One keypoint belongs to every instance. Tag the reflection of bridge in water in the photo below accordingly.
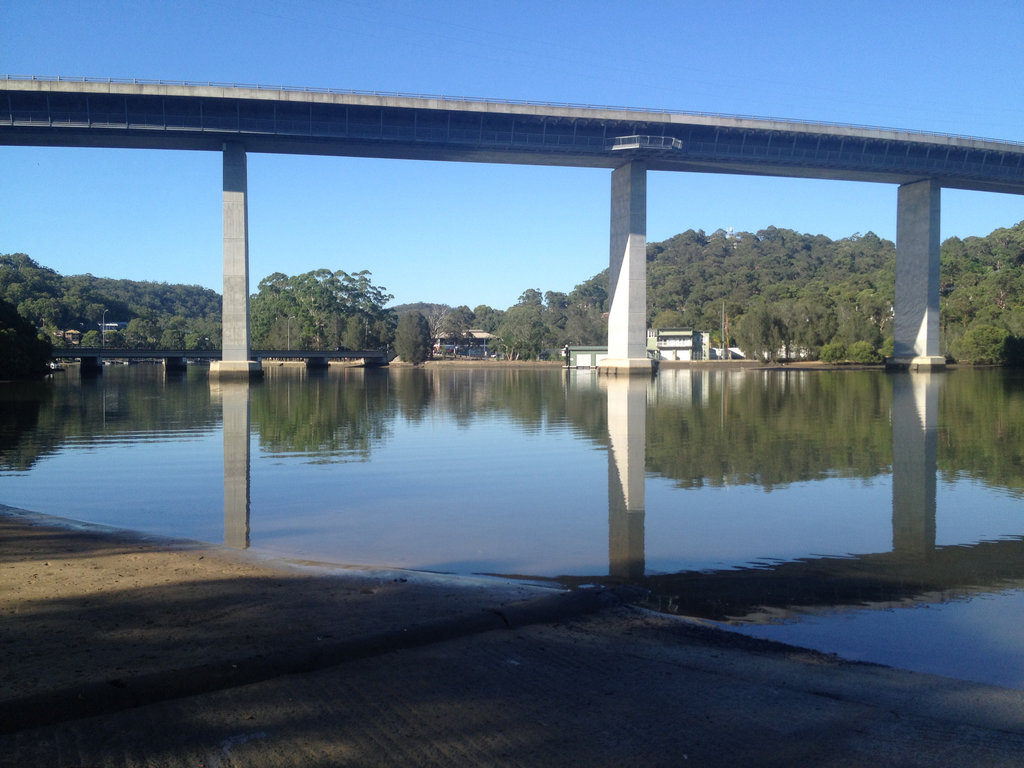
(914, 568)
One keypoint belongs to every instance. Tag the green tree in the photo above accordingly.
(862, 352)
(355, 334)
(455, 323)
(833, 352)
(983, 345)
(531, 296)
(23, 354)
(762, 333)
(172, 339)
(669, 318)
(487, 318)
(523, 332)
(321, 309)
(141, 333)
(412, 338)
(585, 325)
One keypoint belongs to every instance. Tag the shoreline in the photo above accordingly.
(127, 649)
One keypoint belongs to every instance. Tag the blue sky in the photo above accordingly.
(479, 234)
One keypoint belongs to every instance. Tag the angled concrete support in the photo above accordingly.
(917, 278)
(235, 315)
(627, 273)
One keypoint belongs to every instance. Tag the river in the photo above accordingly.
(874, 515)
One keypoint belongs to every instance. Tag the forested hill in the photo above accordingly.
(189, 315)
(785, 290)
(782, 292)
(692, 270)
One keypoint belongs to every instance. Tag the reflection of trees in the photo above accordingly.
(125, 402)
(323, 415)
(704, 426)
(20, 404)
(770, 428)
(981, 427)
(776, 427)
(532, 398)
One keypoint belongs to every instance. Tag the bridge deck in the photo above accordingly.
(60, 112)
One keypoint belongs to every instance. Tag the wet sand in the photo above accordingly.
(119, 649)
(87, 605)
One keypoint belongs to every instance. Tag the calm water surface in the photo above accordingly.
(872, 515)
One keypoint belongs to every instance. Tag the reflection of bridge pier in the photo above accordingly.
(627, 454)
(915, 412)
(234, 394)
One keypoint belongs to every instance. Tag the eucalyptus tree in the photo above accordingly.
(455, 323)
(523, 330)
(321, 309)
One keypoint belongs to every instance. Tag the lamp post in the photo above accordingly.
(290, 318)
(103, 329)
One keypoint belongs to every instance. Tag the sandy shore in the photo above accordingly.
(123, 650)
(85, 605)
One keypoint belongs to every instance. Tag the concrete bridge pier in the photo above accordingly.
(627, 274)
(235, 360)
(917, 278)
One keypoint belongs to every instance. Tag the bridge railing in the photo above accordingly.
(645, 142)
(488, 100)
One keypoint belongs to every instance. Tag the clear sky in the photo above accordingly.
(478, 234)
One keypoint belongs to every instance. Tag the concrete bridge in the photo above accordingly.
(92, 358)
(239, 119)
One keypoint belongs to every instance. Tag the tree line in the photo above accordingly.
(70, 309)
(775, 293)
(788, 294)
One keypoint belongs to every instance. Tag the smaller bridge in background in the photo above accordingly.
(92, 358)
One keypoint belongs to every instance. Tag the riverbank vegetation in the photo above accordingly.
(70, 309)
(775, 293)
(24, 354)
